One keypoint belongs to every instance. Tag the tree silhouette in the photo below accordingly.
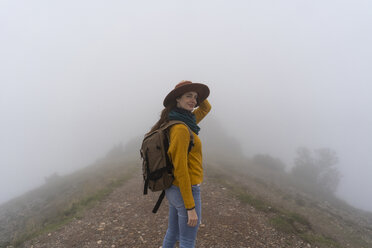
(317, 168)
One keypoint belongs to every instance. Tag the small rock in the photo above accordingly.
(99, 242)
(49, 234)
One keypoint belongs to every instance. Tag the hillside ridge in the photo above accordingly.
(103, 206)
(124, 219)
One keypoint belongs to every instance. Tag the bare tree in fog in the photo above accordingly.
(317, 169)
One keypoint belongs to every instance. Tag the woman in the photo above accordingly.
(184, 195)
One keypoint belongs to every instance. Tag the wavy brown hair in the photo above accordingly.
(163, 116)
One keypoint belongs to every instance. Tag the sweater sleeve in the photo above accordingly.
(202, 110)
(178, 152)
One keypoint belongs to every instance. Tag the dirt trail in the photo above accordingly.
(124, 219)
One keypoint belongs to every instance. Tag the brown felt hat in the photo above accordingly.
(187, 86)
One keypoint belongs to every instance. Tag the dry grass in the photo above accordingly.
(293, 211)
(59, 201)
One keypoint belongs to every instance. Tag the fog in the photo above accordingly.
(78, 77)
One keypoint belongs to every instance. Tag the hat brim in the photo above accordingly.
(201, 89)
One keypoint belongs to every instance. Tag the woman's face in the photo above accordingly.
(187, 101)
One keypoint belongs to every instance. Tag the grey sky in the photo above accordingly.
(78, 77)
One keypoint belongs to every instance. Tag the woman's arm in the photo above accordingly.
(178, 152)
(202, 110)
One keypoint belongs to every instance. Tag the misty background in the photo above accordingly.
(79, 77)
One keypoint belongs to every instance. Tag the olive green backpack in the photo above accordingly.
(157, 168)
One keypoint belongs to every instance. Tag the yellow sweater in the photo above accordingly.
(188, 169)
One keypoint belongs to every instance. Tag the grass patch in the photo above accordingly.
(319, 233)
(73, 209)
(282, 220)
(242, 195)
(360, 242)
(47, 228)
(290, 223)
(320, 240)
(299, 219)
(253, 201)
(282, 224)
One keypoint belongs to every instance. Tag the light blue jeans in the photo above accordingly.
(177, 222)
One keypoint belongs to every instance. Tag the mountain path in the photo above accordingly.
(124, 219)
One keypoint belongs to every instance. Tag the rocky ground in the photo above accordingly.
(124, 219)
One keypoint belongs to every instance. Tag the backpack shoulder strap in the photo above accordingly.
(168, 124)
